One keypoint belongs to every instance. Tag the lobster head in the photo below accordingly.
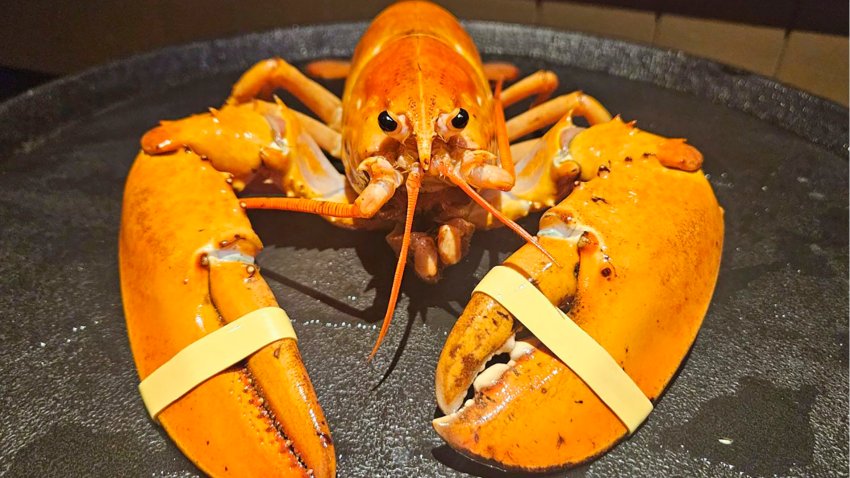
(413, 110)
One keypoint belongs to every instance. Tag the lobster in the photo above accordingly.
(629, 246)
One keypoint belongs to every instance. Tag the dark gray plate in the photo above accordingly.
(765, 388)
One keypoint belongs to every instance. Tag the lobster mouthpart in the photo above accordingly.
(638, 246)
(186, 271)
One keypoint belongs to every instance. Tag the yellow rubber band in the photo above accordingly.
(211, 354)
(572, 345)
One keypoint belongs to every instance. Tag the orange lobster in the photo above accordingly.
(630, 247)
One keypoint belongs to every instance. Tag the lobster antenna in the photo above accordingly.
(505, 158)
(414, 180)
(472, 193)
(310, 206)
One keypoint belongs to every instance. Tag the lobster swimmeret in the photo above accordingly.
(630, 246)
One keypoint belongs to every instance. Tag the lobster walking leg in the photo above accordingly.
(267, 75)
(542, 83)
(555, 109)
(499, 71)
(328, 69)
(327, 138)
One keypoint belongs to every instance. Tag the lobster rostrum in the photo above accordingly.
(629, 248)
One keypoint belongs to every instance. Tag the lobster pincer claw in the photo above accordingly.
(638, 244)
(185, 272)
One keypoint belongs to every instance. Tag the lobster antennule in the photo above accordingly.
(473, 194)
(414, 180)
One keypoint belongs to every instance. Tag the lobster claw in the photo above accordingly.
(185, 271)
(638, 246)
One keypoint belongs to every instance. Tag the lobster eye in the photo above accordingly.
(386, 122)
(461, 119)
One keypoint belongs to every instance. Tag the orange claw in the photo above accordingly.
(639, 246)
(260, 417)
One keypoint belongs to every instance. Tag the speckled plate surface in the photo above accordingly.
(763, 392)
